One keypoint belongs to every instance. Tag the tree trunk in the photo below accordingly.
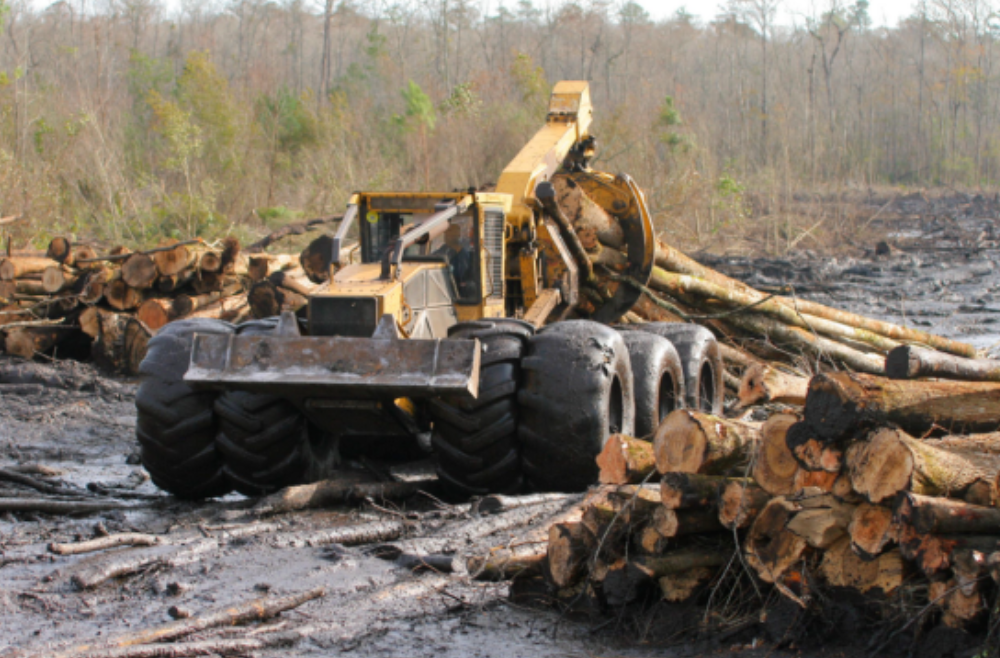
(625, 460)
(912, 362)
(840, 405)
(693, 442)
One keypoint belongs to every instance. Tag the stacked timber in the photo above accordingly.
(117, 300)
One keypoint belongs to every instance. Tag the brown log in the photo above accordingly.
(293, 301)
(498, 568)
(229, 256)
(186, 304)
(121, 343)
(970, 569)
(693, 442)
(960, 609)
(620, 581)
(121, 296)
(60, 250)
(840, 405)
(206, 282)
(18, 267)
(25, 342)
(265, 299)
(103, 543)
(690, 490)
(348, 486)
(90, 322)
(296, 228)
(842, 568)
(85, 258)
(119, 251)
(740, 502)
(172, 261)
(771, 549)
(8, 290)
(316, 259)
(155, 313)
(625, 460)
(775, 469)
(295, 281)
(257, 268)
(944, 516)
(31, 287)
(570, 546)
(226, 308)
(810, 452)
(139, 271)
(912, 362)
(90, 286)
(585, 215)
(671, 523)
(933, 554)
(872, 530)
(763, 383)
(210, 261)
(174, 282)
(891, 461)
(822, 519)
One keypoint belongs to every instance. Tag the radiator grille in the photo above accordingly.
(493, 230)
(343, 316)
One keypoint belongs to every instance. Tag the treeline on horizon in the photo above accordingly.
(127, 122)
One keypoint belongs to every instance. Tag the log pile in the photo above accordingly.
(112, 303)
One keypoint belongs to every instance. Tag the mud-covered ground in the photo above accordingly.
(938, 270)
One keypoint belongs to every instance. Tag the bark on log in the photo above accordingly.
(932, 554)
(679, 587)
(625, 460)
(226, 308)
(671, 523)
(61, 507)
(296, 281)
(570, 546)
(810, 452)
(943, 516)
(121, 343)
(26, 342)
(33, 287)
(206, 282)
(693, 442)
(872, 529)
(689, 490)
(775, 468)
(57, 278)
(507, 567)
(348, 487)
(771, 549)
(842, 568)
(229, 257)
(912, 362)
(355, 535)
(840, 405)
(17, 267)
(155, 313)
(186, 304)
(90, 286)
(175, 282)
(210, 261)
(297, 228)
(585, 215)
(265, 299)
(498, 503)
(891, 461)
(139, 271)
(960, 609)
(763, 383)
(316, 258)
(740, 502)
(685, 286)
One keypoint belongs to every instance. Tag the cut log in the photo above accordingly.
(206, 282)
(680, 587)
(30, 287)
(771, 549)
(57, 278)
(912, 362)
(822, 520)
(625, 460)
(842, 568)
(173, 261)
(690, 490)
(121, 296)
(943, 516)
(762, 383)
(139, 271)
(775, 468)
(960, 609)
(685, 522)
(891, 461)
(810, 452)
(17, 267)
(174, 282)
(226, 308)
(296, 282)
(265, 299)
(60, 250)
(932, 554)
(230, 255)
(316, 259)
(186, 304)
(90, 286)
(840, 405)
(507, 567)
(872, 530)
(347, 487)
(85, 258)
(210, 261)
(585, 215)
(25, 342)
(155, 313)
(121, 343)
(970, 569)
(570, 546)
(90, 321)
(693, 442)
(740, 501)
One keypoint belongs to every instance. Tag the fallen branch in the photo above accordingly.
(44, 487)
(101, 543)
(59, 506)
(101, 568)
(124, 256)
(297, 228)
(366, 533)
(332, 492)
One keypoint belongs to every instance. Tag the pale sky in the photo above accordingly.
(883, 12)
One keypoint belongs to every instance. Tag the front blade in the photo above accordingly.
(335, 366)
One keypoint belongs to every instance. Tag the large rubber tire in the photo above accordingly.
(475, 441)
(701, 361)
(576, 391)
(265, 441)
(657, 379)
(175, 424)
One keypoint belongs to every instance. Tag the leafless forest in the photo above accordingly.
(127, 120)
